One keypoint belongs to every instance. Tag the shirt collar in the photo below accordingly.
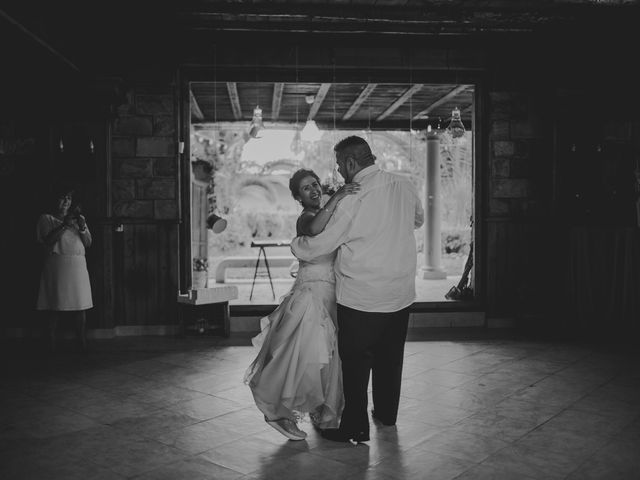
(365, 172)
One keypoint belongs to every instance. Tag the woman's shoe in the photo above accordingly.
(287, 427)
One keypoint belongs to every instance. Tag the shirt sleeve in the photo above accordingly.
(334, 234)
(43, 228)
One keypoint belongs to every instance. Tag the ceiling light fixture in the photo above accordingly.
(311, 132)
(256, 123)
(456, 127)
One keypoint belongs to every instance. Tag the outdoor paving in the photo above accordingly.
(426, 290)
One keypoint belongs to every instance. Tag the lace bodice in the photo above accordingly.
(317, 270)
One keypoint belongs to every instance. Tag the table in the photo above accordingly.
(206, 310)
(261, 245)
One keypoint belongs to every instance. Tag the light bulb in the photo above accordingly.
(311, 132)
(456, 127)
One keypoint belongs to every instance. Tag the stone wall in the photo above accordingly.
(144, 156)
(517, 205)
(145, 202)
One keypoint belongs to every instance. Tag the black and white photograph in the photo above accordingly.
(320, 239)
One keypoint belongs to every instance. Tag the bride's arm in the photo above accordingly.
(309, 224)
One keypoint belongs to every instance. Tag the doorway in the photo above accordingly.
(247, 138)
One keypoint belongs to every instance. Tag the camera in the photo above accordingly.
(76, 211)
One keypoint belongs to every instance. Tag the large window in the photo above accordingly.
(241, 173)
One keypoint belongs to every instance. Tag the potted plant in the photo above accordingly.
(200, 273)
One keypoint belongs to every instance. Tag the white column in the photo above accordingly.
(432, 242)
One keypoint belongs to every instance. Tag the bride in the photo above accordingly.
(297, 369)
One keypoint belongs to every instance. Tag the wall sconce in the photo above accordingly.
(216, 223)
(61, 145)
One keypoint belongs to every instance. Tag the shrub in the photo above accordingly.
(454, 240)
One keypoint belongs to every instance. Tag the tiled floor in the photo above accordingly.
(168, 408)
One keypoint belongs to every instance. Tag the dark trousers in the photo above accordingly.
(371, 342)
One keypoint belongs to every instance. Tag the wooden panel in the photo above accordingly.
(400, 101)
(347, 103)
(101, 275)
(355, 106)
(199, 211)
(146, 273)
(195, 108)
(442, 100)
(520, 270)
(276, 101)
(319, 98)
(234, 100)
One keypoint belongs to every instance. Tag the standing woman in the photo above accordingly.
(65, 290)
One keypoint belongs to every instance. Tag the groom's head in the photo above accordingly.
(352, 155)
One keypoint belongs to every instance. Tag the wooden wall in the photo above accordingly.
(144, 229)
(520, 267)
(145, 273)
(136, 271)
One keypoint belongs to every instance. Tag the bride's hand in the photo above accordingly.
(348, 189)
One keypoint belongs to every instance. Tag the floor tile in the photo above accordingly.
(195, 468)
(463, 445)
(205, 408)
(169, 408)
(249, 454)
(418, 463)
(619, 459)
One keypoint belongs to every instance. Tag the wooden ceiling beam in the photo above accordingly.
(320, 96)
(355, 106)
(234, 98)
(411, 91)
(444, 99)
(38, 40)
(195, 108)
(276, 101)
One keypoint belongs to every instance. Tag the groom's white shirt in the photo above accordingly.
(373, 233)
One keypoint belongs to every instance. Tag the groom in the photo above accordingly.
(375, 283)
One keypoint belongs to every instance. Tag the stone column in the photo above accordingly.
(432, 242)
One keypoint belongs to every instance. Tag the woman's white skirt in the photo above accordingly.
(64, 284)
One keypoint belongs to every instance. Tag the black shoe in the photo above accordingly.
(382, 421)
(337, 435)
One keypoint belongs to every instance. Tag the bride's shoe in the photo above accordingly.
(315, 420)
(287, 427)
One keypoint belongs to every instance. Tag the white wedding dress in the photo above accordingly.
(297, 370)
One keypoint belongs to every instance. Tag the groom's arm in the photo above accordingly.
(334, 234)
